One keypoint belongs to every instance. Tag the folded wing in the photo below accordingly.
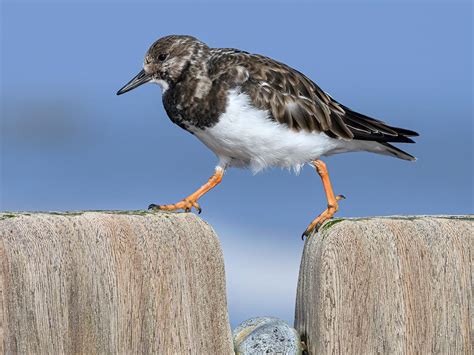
(296, 101)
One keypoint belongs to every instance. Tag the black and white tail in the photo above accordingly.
(379, 134)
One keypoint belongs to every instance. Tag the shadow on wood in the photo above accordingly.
(103, 282)
(388, 286)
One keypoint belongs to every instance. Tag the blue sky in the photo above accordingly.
(68, 143)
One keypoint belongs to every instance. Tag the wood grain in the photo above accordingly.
(102, 282)
(388, 286)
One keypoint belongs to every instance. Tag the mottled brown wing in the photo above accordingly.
(290, 97)
(295, 100)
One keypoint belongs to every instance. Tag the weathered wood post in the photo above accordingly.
(104, 282)
(388, 286)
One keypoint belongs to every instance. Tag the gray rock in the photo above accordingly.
(266, 335)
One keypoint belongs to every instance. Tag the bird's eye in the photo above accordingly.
(162, 57)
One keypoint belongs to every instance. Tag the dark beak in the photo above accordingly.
(139, 79)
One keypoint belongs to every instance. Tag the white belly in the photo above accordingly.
(247, 137)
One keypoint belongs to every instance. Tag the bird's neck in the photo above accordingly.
(192, 76)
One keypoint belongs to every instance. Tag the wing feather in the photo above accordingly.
(294, 100)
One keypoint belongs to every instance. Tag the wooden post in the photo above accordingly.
(388, 286)
(111, 282)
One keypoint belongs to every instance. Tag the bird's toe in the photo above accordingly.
(153, 207)
(186, 205)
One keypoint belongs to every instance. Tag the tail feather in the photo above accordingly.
(388, 149)
(363, 130)
(375, 135)
(369, 129)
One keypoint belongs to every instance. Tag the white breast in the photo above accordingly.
(163, 84)
(247, 137)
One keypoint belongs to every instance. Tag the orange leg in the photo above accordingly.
(332, 200)
(191, 201)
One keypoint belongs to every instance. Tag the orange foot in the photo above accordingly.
(333, 206)
(186, 205)
(191, 201)
(323, 217)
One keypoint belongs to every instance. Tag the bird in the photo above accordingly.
(255, 112)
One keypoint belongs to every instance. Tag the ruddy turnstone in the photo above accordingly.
(253, 111)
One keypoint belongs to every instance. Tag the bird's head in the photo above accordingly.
(166, 59)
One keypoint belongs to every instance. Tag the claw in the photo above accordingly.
(340, 197)
(305, 234)
(310, 230)
(195, 205)
(153, 207)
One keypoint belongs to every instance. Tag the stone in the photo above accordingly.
(266, 335)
